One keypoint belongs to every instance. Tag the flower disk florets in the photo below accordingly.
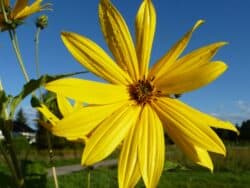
(142, 91)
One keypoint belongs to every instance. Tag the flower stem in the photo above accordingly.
(37, 51)
(51, 159)
(12, 161)
(4, 12)
(14, 42)
(10, 147)
(89, 177)
(51, 153)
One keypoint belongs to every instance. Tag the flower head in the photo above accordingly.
(19, 12)
(138, 103)
(42, 21)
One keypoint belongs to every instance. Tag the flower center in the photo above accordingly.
(142, 91)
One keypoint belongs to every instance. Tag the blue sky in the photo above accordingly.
(226, 20)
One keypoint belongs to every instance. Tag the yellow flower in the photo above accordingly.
(65, 108)
(137, 104)
(19, 12)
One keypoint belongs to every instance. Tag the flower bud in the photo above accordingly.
(42, 21)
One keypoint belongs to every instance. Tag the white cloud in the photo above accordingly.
(237, 112)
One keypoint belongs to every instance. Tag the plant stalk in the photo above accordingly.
(51, 153)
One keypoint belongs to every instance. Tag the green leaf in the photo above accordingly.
(32, 85)
(4, 99)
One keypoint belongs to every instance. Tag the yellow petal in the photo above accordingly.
(161, 68)
(109, 134)
(145, 30)
(64, 105)
(89, 91)
(181, 81)
(82, 122)
(195, 58)
(77, 105)
(195, 153)
(188, 126)
(6, 3)
(48, 114)
(19, 6)
(33, 8)
(118, 38)
(128, 167)
(91, 56)
(202, 118)
(151, 147)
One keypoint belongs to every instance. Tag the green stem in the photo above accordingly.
(14, 42)
(12, 161)
(10, 165)
(51, 153)
(51, 159)
(37, 57)
(89, 171)
(18, 174)
(37, 51)
(4, 12)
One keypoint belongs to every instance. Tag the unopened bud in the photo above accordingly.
(42, 21)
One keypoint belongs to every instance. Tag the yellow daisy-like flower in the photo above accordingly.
(65, 108)
(137, 104)
(19, 12)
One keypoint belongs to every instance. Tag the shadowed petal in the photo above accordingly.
(91, 56)
(151, 146)
(48, 114)
(64, 105)
(89, 91)
(128, 167)
(191, 127)
(109, 134)
(182, 80)
(145, 29)
(161, 68)
(19, 5)
(118, 38)
(82, 122)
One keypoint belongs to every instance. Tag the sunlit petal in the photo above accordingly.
(182, 80)
(195, 153)
(82, 122)
(91, 56)
(109, 134)
(145, 29)
(128, 167)
(33, 8)
(161, 68)
(196, 58)
(203, 119)
(151, 147)
(118, 38)
(89, 91)
(197, 132)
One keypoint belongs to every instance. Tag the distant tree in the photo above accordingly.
(20, 117)
(20, 123)
(245, 130)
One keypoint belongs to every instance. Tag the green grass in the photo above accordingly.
(232, 171)
(106, 178)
